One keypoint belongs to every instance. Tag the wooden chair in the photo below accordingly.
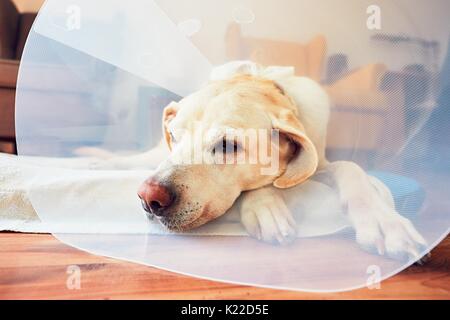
(308, 59)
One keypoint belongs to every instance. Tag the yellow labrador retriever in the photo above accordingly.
(187, 194)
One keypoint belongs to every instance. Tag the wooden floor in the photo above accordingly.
(35, 267)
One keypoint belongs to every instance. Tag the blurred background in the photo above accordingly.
(384, 82)
(388, 85)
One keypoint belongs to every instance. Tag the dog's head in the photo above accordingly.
(232, 136)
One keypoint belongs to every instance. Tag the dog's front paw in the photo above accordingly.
(92, 152)
(266, 217)
(381, 229)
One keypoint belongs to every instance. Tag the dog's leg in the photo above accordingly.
(371, 211)
(97, 159)
(266, 217)
(100, 159)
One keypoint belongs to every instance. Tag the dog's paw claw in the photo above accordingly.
(422, 261)
(268, 219)
(390, 235)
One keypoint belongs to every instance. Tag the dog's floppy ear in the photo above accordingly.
(305, 159)
(170, 112)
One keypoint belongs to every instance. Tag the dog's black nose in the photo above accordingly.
(156, 198)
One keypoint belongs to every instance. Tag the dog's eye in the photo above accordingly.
(227, 146)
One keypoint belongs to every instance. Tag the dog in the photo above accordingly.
(184, 196)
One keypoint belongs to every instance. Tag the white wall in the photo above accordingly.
(342, 22)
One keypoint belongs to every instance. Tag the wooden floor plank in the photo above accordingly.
(35, 267)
